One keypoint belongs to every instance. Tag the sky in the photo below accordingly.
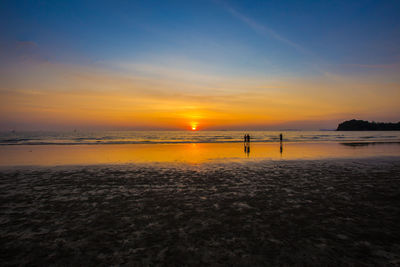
(212, 64)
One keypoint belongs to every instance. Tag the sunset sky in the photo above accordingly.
(210, 64)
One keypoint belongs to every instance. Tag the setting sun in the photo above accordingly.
(193, 128)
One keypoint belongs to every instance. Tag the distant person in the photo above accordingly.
(281, 137)
(246, 138)
(247, 144)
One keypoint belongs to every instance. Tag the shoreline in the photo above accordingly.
(195, 142)
(189, 137)
(202, 142)
(45, 155)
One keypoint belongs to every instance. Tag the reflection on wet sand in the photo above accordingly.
(358, 144)
(189, 153)
(247, 149)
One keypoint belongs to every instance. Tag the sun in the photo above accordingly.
(193, 126)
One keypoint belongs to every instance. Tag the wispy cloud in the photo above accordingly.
(262, 29)
(25, 44)
(374, 66)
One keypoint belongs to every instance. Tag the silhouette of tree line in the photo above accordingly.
(360, 125)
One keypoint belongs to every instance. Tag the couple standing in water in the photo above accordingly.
(247, 144)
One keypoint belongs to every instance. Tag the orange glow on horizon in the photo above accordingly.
(145, 102)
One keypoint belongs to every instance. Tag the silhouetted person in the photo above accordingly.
(281, 137)
(247, 144)
(246, 138)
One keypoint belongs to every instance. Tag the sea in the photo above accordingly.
(177, 137)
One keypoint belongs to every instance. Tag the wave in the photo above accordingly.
(186, 142)
(93, 138)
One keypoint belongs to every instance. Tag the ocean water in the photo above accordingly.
(171, 137)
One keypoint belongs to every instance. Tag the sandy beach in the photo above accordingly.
(332, 212)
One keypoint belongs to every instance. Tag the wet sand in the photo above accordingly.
(193, 153)
(342, 212)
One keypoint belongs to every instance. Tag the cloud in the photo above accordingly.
(262, 29)
(374, 66)
(25, 44)
(10, 52)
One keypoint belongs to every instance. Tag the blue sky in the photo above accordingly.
(261, 40)
(281, 36)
